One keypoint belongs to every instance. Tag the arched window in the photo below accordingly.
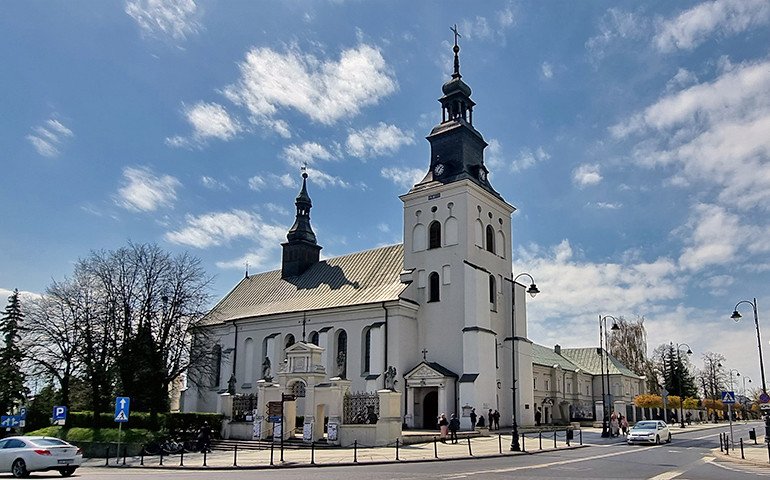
(492, 292)
(367, 349)
(342, 353)
(478, 230)
(490, 239)
(418, 238)
(313, 338)
(298, 389)
(500, 243)
(451, 228)
(288, 342)
(435, 235)
(248, 347)
(216, 359)
(433, 287)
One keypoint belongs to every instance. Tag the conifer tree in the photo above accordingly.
(12, 389)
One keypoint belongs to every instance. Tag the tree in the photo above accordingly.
(676, 373)
(648, 401)
(629, 345)
(12, 389)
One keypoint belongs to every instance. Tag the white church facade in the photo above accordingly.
(436, 311)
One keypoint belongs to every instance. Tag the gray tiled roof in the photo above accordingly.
(590, 361)
(359, 278)
(548, 357)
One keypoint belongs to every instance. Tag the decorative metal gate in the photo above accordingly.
(243, 406)
(360, 408)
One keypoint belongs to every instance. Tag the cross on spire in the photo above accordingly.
(457, 34)
(424, 353)
(303, 322)
(456, 49)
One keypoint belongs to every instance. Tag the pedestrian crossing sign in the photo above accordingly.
(728, 397)
(121, 417)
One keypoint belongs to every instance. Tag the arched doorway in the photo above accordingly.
(430, 411)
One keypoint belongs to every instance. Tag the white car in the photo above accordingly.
(22, 455)
(649, 431)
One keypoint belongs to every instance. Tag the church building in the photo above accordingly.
(435, 314)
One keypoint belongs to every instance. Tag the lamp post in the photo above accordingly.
(532, 291)
(745, 398)
(602, 343)
(730, 405)
(763, 397)
(681, 379)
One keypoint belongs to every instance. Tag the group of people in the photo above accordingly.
(451, 425)
(492, 419)
(618, 425)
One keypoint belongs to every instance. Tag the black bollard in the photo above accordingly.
(125, 452)
(396, 449)
(312, 453)
(161, 457)
(540, 437)
(107, 457)
(272, 447)
(523, 447)
(205, 452)
(581, 436)
(742, 457)
(500, 442)
(141, 457)
(235, 455)
(566, 434)
(554, 439)
(435, 448)
(727, 444)
(470, 451)
(355, 451)
(181, 458)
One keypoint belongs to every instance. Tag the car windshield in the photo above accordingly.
(645, 426)
(49, 442)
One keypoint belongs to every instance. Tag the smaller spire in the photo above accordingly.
(456, 49)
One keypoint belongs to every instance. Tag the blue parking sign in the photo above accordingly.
(23, 413)
(59, 413)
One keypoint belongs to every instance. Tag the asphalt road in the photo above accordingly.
(689, 456)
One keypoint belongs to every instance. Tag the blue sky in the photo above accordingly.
(633, 138)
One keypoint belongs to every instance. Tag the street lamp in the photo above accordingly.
(681, 379)
(532, 291)
(763, 397)
(745, 398)
(602, 343)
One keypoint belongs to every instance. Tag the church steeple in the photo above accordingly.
(301, 251)
(456, 147)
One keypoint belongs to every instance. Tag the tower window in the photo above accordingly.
(490, 239)
(368, 350)
(492, 293)
(434, 234)
(433, 287)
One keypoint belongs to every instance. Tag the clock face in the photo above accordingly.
(439, 169)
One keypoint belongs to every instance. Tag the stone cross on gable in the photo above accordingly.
(424, 353)
(303, 322)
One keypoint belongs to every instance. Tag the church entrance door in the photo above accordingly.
(430, 411)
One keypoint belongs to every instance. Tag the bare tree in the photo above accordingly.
(629, 345)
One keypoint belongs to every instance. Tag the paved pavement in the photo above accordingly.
(497, 444)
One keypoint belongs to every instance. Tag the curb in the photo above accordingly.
(735, 458)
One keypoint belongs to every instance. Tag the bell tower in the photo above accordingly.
(457, 254)
(301, 250)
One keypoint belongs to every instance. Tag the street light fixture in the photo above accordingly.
(532, 291)
(681, 379)
(602, 343)
(763, 397)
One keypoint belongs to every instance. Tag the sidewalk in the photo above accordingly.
(477, 447)
(754, 454)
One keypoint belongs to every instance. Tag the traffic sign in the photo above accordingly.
(122, 409)
(59, 413)
(764, 406)
(11, 421)
(764, 397)
(5, 421)
(728, 397)
(23, 413)
(274, 418)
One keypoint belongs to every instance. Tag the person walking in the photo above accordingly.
(614, 425)
(496, 418)
(538, 416)
(204, 438)
(443, 425)
(491, 420)
(454, 426)
(624, 425)
(473, 418)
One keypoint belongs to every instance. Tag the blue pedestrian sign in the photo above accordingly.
(122, 409)
(59, 413)
(728, 398)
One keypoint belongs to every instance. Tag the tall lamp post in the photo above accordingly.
(602, 343)
(745, 398)
(763, 397)
(532, 291)
(681, 379)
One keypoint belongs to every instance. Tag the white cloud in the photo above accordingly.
(724, 17)
(547, 70)
(213, 184)
(586, 175)
(495, 27)
(48, 137)
(716, 132)
(218, 228)
(683, 78)
(275, 208)
(305, 154)
(377, 141)
(528, 158)
(614, 26)
(208, 120)
(609, 206)
(143, 191)
(403, 177)
(257, 183)
(323, 90)
(323, 179)
(177, 18)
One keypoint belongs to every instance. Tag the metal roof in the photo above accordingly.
(359, 278)
(548, 357)
(590, 361)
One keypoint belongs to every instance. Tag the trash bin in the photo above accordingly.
(752, 434)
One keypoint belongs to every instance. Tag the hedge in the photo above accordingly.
(175, 422)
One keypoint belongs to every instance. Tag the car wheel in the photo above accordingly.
(66, 472)
(19, 469)
(657, 439)
(669, 438)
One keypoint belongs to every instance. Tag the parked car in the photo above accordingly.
(22, 455)
(649, 431)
